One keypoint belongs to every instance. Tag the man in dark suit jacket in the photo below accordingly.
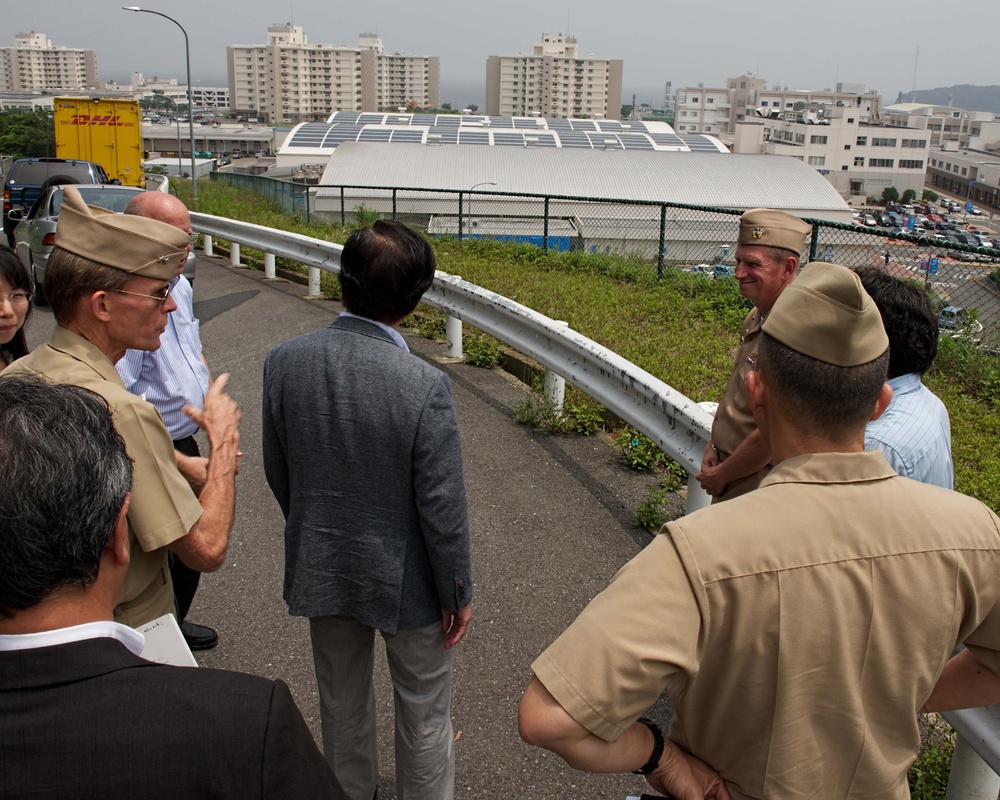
(83, 716)
(362, 452)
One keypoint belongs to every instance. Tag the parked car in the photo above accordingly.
(26, 177)
(975, 212)
(956, 317)
(869, 220)
(35, 234)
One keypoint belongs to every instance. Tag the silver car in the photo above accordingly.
(35, 234)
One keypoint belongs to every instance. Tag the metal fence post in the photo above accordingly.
(206, 244)
(698, 497)
(269, 271)
(453, 336)
(394, 204)
(460, 235)
(234, 254)
(314, 286)
(343, 215)
(545, 240)
(663, 239)
(814, 244)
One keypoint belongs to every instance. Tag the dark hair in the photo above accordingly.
(908, 318)
(385, 270)
(68, 277)
(65, 474)
(16, 276)
(820, 398)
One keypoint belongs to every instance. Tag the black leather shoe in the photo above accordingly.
(199, 637)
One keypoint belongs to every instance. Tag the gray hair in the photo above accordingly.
(66, 474)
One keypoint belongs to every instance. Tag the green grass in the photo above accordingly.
(681, 329)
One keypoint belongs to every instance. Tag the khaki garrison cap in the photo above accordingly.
(826, 314)
(136, 245)
(766, 228)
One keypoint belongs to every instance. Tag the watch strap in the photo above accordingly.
(658, 745)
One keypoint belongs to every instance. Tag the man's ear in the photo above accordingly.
(884, 398)
(117, 545)
(97, 303)
(755, 390)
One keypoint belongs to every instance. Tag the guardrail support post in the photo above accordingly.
(555, 385)
(698, 497)
(207, 244)
(453, 336)
(970, 778)
(269, 266)
(314, 290)
(234, 254)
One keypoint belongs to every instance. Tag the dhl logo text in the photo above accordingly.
(99, 119)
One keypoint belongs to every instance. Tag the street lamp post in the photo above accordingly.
(187, 58)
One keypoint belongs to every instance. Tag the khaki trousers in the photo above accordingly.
(420, 667)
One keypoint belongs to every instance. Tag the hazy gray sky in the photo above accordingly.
(789, 42)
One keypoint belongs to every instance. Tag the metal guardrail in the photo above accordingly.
(676, 423)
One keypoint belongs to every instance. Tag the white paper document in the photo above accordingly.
(165, 643)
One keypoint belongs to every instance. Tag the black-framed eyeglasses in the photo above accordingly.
(17, 299)
(160, 296)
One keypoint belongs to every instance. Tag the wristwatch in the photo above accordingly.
(658, 745)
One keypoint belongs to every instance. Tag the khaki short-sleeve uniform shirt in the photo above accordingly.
(734, 421)
(797, 629)
(163, 507)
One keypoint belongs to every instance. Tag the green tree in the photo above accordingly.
(890, 194)
(930, 196)
(28, 134)
(908, 195)
(627, 111)
(473, 108)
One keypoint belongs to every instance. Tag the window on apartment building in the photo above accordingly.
(914, 143)
(880, 162)
(743, 84)
(861, 141)
(965, 171)
(859, 161)
(800, 138)
(879, 141)
(850, 120)
(711, 99)
(817, 139)
(910, 163)
(844, 168)
(847, 147)
(817, 161)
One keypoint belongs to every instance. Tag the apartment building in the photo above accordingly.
(971, 173)
(717, 111)
(856, 156)
(33, 65)
(290, 80)
(943, 123)
(554, 81)
(202, 97)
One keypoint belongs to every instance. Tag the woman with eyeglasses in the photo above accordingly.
(15, 307)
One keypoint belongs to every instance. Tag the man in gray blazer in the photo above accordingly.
(362, 452)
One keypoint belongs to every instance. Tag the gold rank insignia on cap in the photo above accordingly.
(764, 227)
(133, 244)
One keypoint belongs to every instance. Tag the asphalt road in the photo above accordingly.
(551, 523)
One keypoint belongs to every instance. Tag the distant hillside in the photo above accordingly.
(969, 98)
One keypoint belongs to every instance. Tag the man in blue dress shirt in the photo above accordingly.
(171, 378)
(914, 433)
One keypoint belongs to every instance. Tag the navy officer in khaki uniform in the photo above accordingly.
(797, 629)
(767, 258)
(107, 283)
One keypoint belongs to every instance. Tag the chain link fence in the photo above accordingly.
(963, 279)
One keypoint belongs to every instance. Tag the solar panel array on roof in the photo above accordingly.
(699, 144)
(502, 131)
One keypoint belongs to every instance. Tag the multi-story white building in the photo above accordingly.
(290, 80)
(943, 123)
(33, 64)
(554, 81)
(201, 96)
(972, 173)
(858, 157)
(717, 111)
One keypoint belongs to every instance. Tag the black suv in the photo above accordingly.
(24, 181)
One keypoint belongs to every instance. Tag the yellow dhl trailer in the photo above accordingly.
(108, 132)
